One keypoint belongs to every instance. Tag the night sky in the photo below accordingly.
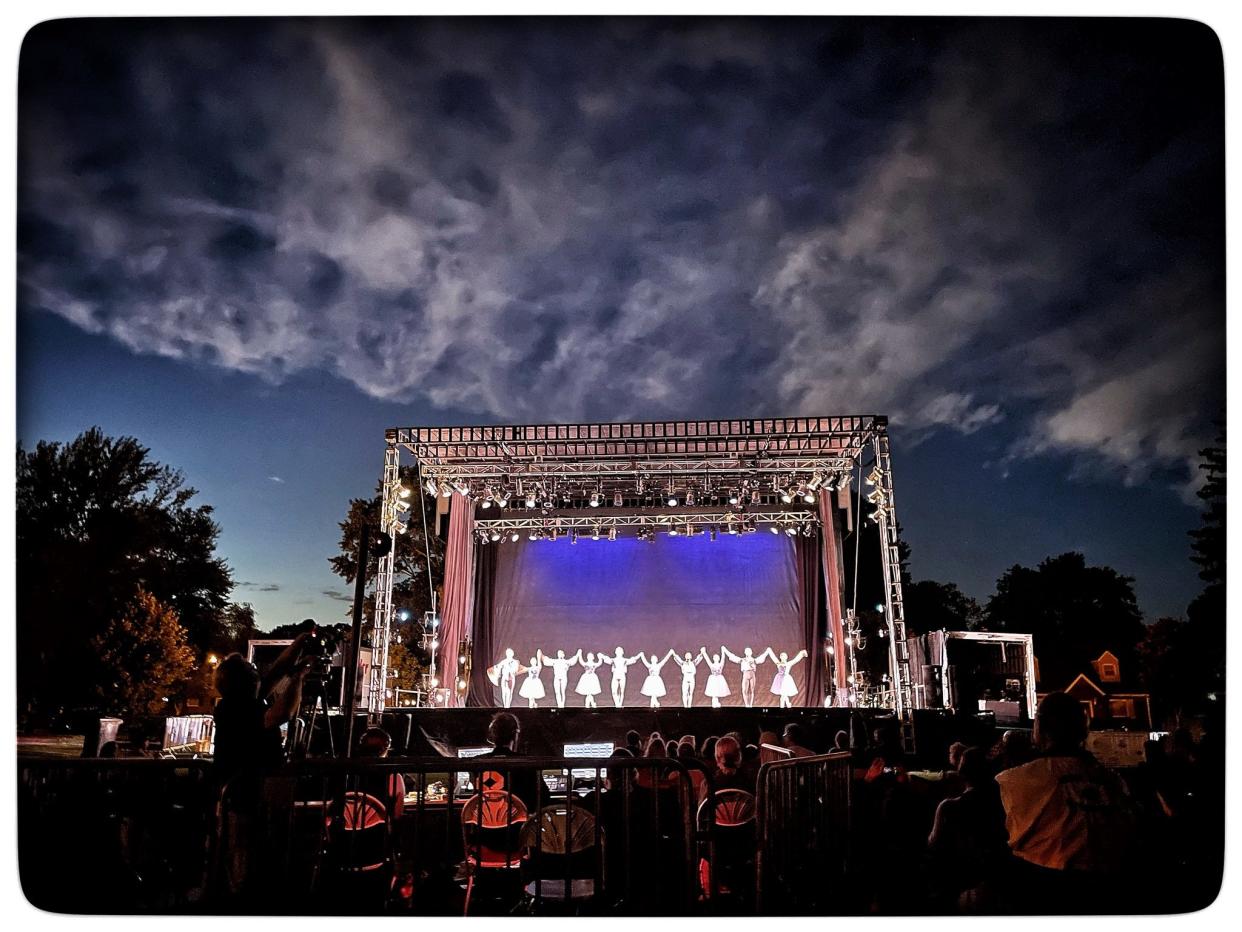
(254, 245)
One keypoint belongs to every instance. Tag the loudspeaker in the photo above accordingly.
(933, 686)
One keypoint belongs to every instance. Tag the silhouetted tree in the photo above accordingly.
(1205, 632)
(1075, 612)
(97, 519)
(933, 606)
(410, 593)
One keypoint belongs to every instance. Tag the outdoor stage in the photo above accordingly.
(648, 541)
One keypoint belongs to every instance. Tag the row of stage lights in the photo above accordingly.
(646, 533)
(537, 494)
(749, 489)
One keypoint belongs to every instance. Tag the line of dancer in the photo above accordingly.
(504, 673)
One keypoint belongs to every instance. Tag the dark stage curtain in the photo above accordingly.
(481, 646)
(810, 585)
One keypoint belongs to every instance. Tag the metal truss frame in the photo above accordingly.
(620, 457)
(564, 521)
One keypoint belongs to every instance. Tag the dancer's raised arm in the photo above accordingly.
(633, 660)
(671, 653)
(767, 652)
(576, 658)
(539, 655)
(728, 653)
(801, 655)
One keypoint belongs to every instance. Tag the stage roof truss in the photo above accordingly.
(656, 520)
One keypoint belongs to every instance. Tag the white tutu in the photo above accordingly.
(783, 685)
(716, 686)
(588, 685)
(532, 688)
(653, 686)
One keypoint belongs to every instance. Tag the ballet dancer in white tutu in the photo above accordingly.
(532, 687)
(560, 665)
(716, 685)
(588, 683)
(783, 684)
(653, 685)
(620, 666)
(504, 674)
(747, 663)
(688, 665)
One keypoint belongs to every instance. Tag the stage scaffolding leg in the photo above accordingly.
(899, 651)
(381, 629)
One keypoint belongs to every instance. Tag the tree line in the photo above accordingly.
(121, 596)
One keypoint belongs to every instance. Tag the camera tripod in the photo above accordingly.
(314, 705)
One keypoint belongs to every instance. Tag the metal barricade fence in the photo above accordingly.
(121, 835)
(803, 813)
(595, 835)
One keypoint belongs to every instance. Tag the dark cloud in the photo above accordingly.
(336, 595)
(258, 587)
(973, 225)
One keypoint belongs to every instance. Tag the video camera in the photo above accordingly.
(321, 646)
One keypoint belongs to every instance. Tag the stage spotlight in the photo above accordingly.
(399, 527)
(733, 498)
(402, 506)
(495, 535)
(673, 532)
(616, 500)
(712, 533)
(446, 490)
(672, 499)
(612, 533)
(514, 536)
(754, 497)
(530, 499)
(534, 534)
(504, 498)
(732, 528)
(774, 529)
(595, 534)
(873, 477)
(552, 534)
(594, 499)
(462, 487)
(690, 496)
(808, 530)
(787, 496)
(403, 490)
(486, 503)
(830, 650)
(792, 530)
(431, 486)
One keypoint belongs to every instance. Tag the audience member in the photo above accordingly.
(728, 773)
(1069, 819)
(634, 742)
(968, 840)
(388, 788)
(502, 734)
(767, 741)
(795, 739)
(841, 741)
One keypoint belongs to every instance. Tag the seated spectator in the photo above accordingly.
(795, 739)
(388, 788)
(1013, 750)
(633, 743)
(502, 734)
(968, 839)
(707, 753)
(841, 741)
(728, 773)
(1069, 819)
(888, 759)
(768, 740)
